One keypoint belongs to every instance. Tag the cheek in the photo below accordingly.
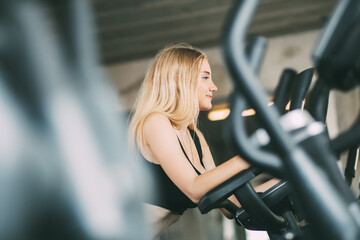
(201, 89)
(199, 92)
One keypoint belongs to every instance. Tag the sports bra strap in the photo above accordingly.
(198, 148)
(196, 139)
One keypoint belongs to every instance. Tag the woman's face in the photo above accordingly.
(206, 87)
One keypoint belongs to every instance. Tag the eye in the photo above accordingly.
(205, 77)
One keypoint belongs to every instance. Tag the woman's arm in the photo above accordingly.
(164, 146)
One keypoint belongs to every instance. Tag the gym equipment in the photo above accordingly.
(65, 169)
(324, 199)
(338, 66)
(283, 90)
(351, 165)
(300, 88)
(317, 106)
(273, 210)
(338, 63)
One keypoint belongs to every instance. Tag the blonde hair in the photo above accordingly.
(169, 87)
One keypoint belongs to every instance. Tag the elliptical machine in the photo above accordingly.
(302, 155)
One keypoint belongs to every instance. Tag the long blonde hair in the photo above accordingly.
(169, 87)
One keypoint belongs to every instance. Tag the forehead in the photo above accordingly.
(205, 67)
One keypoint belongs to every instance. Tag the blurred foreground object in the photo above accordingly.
(65, 168)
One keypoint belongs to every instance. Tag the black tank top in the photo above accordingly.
(167, 195)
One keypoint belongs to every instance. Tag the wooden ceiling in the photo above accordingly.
(133, 29)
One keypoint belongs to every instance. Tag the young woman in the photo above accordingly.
(177, 86)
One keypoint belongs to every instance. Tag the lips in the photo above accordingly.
(209, 96)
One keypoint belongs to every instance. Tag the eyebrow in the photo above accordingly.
(206, 72)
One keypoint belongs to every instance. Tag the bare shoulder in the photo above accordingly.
(160, 138)
(155, 120)
(157, 125)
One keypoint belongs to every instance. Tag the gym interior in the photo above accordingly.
(67, 67)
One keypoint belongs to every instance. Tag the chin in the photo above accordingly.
(205, 108)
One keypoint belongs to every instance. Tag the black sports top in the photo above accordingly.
(167, 194)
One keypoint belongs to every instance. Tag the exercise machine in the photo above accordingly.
(302, 156)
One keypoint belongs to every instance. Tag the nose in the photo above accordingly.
(213, 87)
